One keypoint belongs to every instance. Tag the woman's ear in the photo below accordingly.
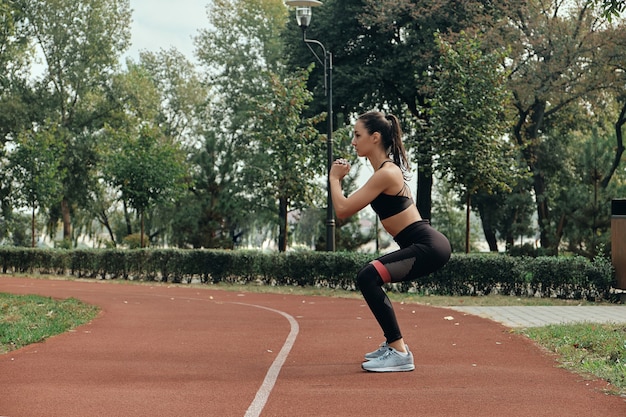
(376, 136)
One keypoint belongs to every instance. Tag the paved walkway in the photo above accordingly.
(535, 316)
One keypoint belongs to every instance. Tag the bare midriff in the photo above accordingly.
(396, 223)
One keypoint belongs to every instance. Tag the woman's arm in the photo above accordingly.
(348, 206)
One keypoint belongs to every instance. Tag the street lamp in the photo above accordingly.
(303, 17)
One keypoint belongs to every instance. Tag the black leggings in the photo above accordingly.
(422, 250)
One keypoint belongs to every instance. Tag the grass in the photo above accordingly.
(26, 319)
(596, 350)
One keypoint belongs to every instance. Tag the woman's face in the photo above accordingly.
(362, 141)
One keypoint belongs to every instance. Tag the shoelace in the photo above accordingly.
(384, 355)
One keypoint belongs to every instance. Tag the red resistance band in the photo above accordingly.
(382, 271)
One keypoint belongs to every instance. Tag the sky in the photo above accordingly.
(162, 24)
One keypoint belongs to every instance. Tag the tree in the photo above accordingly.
(614, 97)
(583, 142)
(132, 99)
(178, 100)
(214, 213)
(146, 168)
(559, 58)
(506, 214)
(140, 161)
(282, 165)
(18, 109)
(35, 169)
(256, 139)
(236, 48)
(383, 53)
(468, 121)
(14, 60)
(450, 219)
(181, 95)
(80, 42)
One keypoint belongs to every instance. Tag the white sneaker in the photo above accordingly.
(390, 361)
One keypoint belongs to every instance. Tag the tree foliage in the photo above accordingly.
(17, 109)
(559, 59)
(612, 8)
(147, 168)
(80, 43)
(383, 54)
(244, 118)
(35, 170)
(180, 94)
(468, 118)
(468, 121)
(142, 161)
(265, 154)
(284, 162)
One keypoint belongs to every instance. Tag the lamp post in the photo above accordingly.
(303, 17)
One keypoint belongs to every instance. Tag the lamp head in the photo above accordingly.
(303, 11)
(303, 17)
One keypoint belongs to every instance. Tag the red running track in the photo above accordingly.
(158, 350)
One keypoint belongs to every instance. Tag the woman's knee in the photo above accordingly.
(368, 277)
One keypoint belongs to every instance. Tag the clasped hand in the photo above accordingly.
(339, 169)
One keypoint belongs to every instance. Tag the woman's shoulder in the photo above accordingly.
(389, 175)
(390, 170)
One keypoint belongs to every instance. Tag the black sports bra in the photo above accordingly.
(387, 205)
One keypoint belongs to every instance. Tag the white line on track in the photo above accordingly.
(260, 399)
(257, 405)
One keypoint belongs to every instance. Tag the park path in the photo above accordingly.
(159, 350)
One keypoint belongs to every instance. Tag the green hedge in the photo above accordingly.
(474, 274)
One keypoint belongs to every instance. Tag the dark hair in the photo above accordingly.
(389, 128)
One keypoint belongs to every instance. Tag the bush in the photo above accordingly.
(474, 274)
(134, 241)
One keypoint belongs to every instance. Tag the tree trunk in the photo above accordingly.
(282, 220)
(142, 231)
(32, 229)
(543, 214)
(424, 188)
(486, 217)
(104, 220)
(510, 242)
(129, 228)
(468, 202)
(526, 134)
(67, 222)
(559, 233)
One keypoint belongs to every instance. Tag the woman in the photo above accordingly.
(422, 249)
